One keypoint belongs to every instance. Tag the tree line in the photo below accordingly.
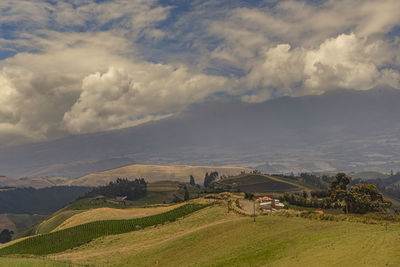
(359, 198)
(132, 189)
(5, 236)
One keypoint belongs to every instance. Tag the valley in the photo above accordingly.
(167, 133)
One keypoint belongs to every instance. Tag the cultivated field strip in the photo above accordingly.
(75, 236)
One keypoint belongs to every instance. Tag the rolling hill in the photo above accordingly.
(19, 222)
(35, 182)
(87, 210)
(153, 173)
(214, 236)
(259, 183)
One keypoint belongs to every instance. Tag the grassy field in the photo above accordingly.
(111, 214)
(18, 262)
(213, 237)
(54, 221)
(76, 236)
(158, 193)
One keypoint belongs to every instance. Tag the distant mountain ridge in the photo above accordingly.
(151, 173)
(340, 130)
(154, 173)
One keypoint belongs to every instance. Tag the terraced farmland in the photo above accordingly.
(111, 214)
(214, 237)
(72, 237)
(259, 183)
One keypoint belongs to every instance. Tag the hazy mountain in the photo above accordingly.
(340, 130)
(151, 173)
(154, 173)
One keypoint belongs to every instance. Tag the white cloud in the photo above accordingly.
(83, 66)
(39, 87)
(281, 69)
(297, 48)
(344, 62)
(122, 97)
(73, 88)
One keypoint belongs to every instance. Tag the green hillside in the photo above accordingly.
(75, 236)
(157, 193)
(212, 237)
(54, 221)
(215, 236)
(20, 262)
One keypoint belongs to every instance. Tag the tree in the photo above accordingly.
(366, 198)
(209, 178)
(206, 180)
(5, 236)
(133, 190)
(338, 190)
(361, 198)
(340, 182)
(187, 196)
(192, 182)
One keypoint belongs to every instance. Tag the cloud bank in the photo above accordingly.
(71, 67)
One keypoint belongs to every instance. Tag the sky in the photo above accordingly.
(80, 66)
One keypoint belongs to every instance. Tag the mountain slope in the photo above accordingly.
(153, 173)
(340, 130)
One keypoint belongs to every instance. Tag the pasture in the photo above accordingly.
(72, 237)
(214, 237)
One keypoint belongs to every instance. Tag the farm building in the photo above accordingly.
(267, 203)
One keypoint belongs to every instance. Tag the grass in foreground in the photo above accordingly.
(22, 262)
(72, 237)
(213, 237)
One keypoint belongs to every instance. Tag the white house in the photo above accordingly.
(267, 203)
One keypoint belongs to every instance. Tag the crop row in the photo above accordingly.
(76, 236)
